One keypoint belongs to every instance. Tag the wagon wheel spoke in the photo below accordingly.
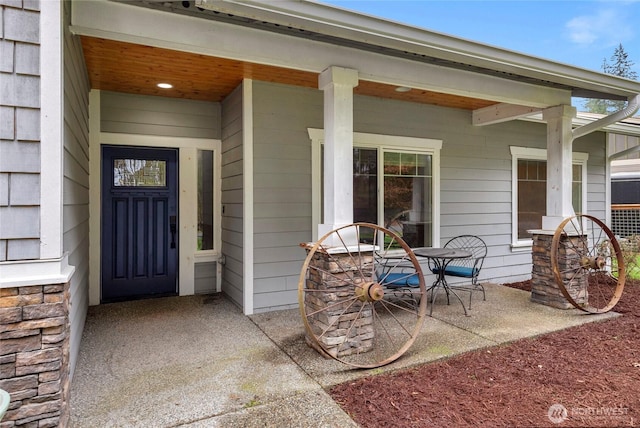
(587, 264)
(361, 294)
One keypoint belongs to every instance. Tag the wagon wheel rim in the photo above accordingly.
(584, 252)
(361, 301)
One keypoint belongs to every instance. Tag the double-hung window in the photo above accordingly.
(529, 190)
(395, 184)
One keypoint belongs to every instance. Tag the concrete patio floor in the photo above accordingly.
(199, 362)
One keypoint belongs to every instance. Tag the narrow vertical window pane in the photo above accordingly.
(322, 184)
(576, 187)
(205, 199)
(542, 171)
(532, 170)
(532, 196)
(365, 185)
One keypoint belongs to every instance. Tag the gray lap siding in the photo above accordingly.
(475, 184)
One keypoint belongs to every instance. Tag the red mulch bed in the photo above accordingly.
(592, 370)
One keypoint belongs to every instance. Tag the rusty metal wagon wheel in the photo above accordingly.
(362, 295)
(587, 264)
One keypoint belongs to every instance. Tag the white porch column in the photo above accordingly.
(337, 84)
(559, 165)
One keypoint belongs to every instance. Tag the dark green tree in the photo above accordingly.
(621, 66)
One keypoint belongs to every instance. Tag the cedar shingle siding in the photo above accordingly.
(19, 130)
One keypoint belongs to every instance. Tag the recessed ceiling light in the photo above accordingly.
(165, 85)
(403, 89)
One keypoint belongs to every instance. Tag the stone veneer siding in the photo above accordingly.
(335, 275)
(34, 355)
(544, 288)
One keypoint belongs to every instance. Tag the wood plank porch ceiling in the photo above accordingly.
(136, 69)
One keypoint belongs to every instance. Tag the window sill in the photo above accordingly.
(522, 246)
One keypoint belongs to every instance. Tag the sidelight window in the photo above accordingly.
(205, 200)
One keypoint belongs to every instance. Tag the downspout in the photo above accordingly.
(626, 112)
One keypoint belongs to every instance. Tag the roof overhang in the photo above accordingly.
(386, 54)
(395, 39)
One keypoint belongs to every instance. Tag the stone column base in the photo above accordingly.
(34, 354)
(544, 288)
(335, 277)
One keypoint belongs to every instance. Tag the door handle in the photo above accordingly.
(172, 228)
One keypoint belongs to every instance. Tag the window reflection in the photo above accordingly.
(205, 199)
(532, 194)
(407, 186)
(139, 173)
(365, 185)
(407, 197)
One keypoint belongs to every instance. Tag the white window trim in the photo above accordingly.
(384, 142)
(517, 153)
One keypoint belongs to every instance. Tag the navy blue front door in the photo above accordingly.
(139, 222)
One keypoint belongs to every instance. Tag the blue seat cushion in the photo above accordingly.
(399, 279)
(465, 272)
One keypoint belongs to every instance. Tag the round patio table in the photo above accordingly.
(441, 257)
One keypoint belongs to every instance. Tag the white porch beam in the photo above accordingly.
(337, 84)
(559, 165)
(500, 113)
(134, 24)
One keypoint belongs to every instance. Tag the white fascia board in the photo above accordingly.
(399, 72)
(626, 162)
(615, 128)
(325, 19)
(134, 24)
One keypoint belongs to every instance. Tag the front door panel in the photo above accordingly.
(139, 222)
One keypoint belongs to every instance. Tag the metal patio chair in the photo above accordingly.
(468, 267)
(398, 277)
